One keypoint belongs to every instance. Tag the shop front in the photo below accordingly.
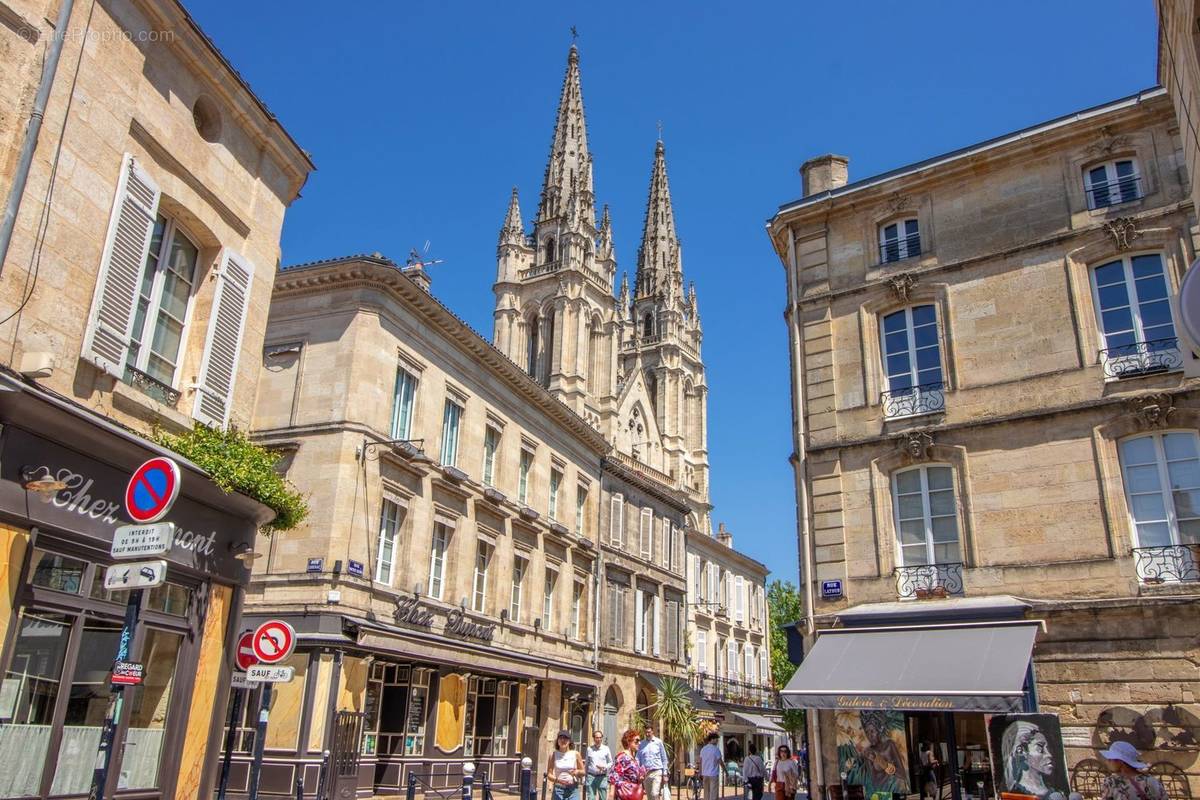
(63, 475)
(390, 702)
(902, 697)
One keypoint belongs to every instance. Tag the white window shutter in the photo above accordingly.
(223, 342)
(657, 625)
(110, 323)
(639, 621)
(701, 651)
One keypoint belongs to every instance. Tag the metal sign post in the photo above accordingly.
(235, 716)
(108, 732)
(260, 738)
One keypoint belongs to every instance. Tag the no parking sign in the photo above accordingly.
(152, 490)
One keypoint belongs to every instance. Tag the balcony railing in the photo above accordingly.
(926, 581)
(1124, 189)
(1141, 358)
(540, 269)
(898, 249)
(737, 693)
(928, 398)
(1175, 563)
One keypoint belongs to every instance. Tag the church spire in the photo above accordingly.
(658, 264)
(513, 230)
(569, 169)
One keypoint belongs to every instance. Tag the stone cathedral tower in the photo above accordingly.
(628, 363)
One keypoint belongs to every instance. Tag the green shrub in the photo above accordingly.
(237, 464)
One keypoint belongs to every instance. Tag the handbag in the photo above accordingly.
(629, 790)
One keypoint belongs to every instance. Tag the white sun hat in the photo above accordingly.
(1124, 751)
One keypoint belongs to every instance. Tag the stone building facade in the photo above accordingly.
(992, 427)
(443, 587)
(1179, 74)
(133, 295)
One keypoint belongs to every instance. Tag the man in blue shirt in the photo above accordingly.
(652, 755)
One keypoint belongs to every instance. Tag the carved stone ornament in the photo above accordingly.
(1109, 144)
(1152, 410)
(1123, 231)
(901, 285)
(917, 445)
(898, 202)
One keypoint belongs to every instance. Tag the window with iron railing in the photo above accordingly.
(912, 363)
(899, 240)
(1162, 488)
(1112, 183)
(1133, 306)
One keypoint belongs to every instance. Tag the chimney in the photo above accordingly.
(823, 173)
(724, 536)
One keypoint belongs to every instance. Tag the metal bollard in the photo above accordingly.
(526, 778)
(411, 792)
(323, 774)
(468, 780)
(299, 788)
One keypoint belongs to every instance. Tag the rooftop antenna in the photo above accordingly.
(419, 259)
(660, 130)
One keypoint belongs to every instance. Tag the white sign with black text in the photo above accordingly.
(264, 673)
(139, 541)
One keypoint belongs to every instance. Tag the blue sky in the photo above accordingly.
(421, 116)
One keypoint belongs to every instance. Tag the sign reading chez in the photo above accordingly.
(410, 612)
(92, 504)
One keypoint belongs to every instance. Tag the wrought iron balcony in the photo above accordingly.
(928, 398)
(1124, 189)
(926, 581)
(1141, 358)
(898, 249)
(736, 693)
(1175, 563)
(151, 386)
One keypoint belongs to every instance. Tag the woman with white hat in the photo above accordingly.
(1128, 781)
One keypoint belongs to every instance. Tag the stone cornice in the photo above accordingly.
(665, 493)
(706, 545)
(379, 274)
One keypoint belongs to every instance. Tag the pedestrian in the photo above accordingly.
(754, 771)
(1128, 781)
(626, 774)
(652, 755)
(785, 776)
(565, 769)
(599, 762)
(710, 767)
(929, 765)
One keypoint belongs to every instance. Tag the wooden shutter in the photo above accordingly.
(223, 342)
(110, 323)
(672, 629)
(639, 621)
(646, 533)
(657, 624)
(616, 522)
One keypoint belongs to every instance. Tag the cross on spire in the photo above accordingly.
(574, 34)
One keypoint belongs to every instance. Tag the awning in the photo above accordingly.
(655, 681)
(759, 722)
(960, 667)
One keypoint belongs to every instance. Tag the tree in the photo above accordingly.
(678, 724)
(786, 608)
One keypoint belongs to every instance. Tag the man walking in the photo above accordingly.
(710, 766)
(652, 755)
(599, 761)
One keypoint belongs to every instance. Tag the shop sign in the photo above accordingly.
(315, 565)
(273, 641)
(262, 673)
(458, 624)
(410, 611)
(831, 590)
(152, 490)
(128, 673)
(905, 702)
(354, 568)
(132, 541)
(135, 575)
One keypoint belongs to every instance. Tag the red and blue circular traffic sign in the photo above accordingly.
(152, 490)
(273, 641)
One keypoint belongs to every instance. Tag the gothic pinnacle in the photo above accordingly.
(569, 162)
(658, 254)
(513, 230)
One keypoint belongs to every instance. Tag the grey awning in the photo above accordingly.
(965, 667)
(759, 722)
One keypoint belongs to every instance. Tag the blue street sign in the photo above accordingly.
(831, 590)
(316, 564)
(355, 568)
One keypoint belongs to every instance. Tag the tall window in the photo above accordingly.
(577, 610)
(437, 560)
(531, 327)
(646, 533)
(483, 557)
(616, 521)
(616, 612)
(1162, 484)
(402, 404)
(749, 657)
(523, 477)
(450, 423)
(1132, 301)
(555, 483)
(551, 583)
(664, 555)
(701, 651)
(389, 525)
(926, 516)
(581, 493)
(739, 594)
(899, 240)
(518, 584)
(491, 443)
(731, 660)
(764, 671)
(1112, 183)
(912, 362)
(162, 305)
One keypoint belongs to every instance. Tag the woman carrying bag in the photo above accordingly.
(784, 775)
(565, 768)
(626, 774)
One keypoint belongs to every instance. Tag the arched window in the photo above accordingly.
(926, 516)
(648, 325)
(548, 346)
(531, 326)
(549, 251)
(1162, 488)
(652, 390)
(899, 240)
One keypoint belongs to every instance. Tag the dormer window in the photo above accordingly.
(899, 240)
(1112, 183)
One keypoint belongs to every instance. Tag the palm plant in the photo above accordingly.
(676, 716)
